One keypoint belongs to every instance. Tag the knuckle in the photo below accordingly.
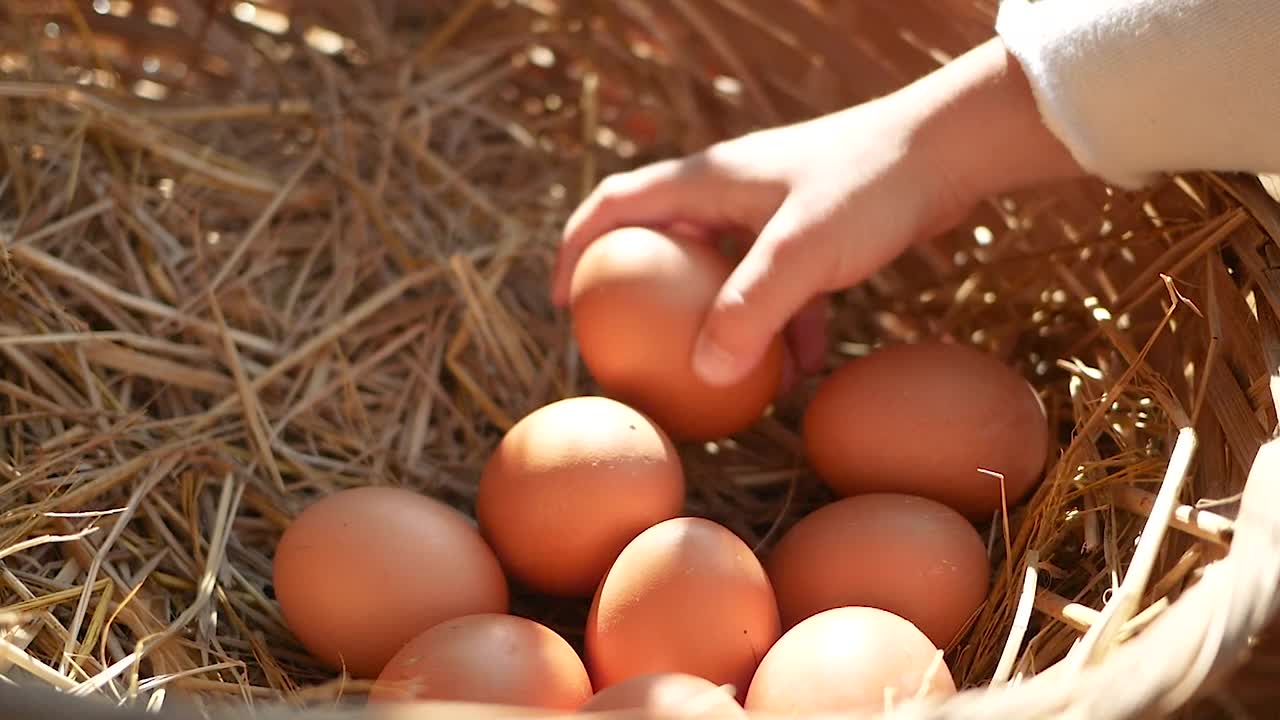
(787, 246)
(782, 253)
(728, 158)
(719, 152)
(612, 188)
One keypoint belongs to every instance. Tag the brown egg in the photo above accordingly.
(491, 659)
(911, 556)
(845, 661)
(667, 695)
(638, 300)
(927, 419)
(570, 485)
(361, 571)
(686, 596)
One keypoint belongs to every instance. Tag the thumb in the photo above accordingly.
(781, 272)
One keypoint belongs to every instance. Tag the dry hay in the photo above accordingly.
(318, 263)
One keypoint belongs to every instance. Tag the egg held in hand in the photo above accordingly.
(670, 696)
(638, 300)
(686, 596)
(570, 485)
(361, 571)
(937, 420)
(490, 659)
(909, 555)
(845, 661)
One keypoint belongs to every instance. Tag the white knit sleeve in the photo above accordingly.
(1134, 88)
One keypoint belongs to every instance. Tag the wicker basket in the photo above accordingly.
(164, 160)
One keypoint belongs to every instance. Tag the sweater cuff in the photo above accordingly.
(1141, 87)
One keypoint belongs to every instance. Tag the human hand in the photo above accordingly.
(829, 201)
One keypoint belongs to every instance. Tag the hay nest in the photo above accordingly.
(255, 253)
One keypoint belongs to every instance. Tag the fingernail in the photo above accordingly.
(713, 363)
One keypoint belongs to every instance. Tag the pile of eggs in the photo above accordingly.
(584, 498)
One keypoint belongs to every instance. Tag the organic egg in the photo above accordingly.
(928, 419)
(638, 299)
(570, 485)
(361, 571)
(667, 695)
(687, 596)
(911, 556)
(487, 658)
(845, 661)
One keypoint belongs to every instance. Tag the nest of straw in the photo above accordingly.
(255, 253)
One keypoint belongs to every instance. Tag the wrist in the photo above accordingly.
(976, 122)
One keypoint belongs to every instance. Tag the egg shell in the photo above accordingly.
(668, 696)
(570, 485)
(638, 299)
(911, 556)
(687, 596)
(844, 661)
(926, 419)
(360, 572)
(487, 658)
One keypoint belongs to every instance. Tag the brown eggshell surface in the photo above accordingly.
(687, 596)
(360, 572)
(570, 485)
(927, 419)
(911, 556)
(638, 300)
(844, 661)
(667, 696)
(487, 658)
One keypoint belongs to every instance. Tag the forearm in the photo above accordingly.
(977, 121)
(1121, 90)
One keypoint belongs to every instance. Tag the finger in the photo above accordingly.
(778, 276)
(681, 190)
(807, 335)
